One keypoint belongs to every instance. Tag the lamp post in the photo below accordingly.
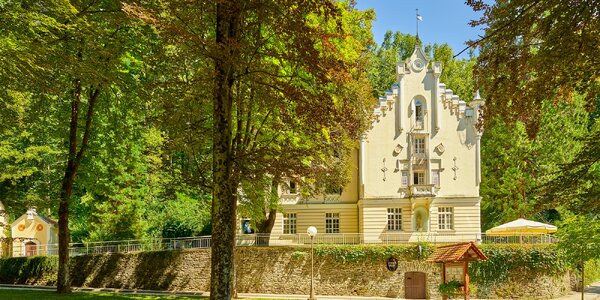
(312, 231)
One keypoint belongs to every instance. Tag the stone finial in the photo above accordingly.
(31, 213)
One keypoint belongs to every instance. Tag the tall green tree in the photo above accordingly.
(70, 51)
(576, 184)
(397, 47)
(394, 48)
(579, 241)
(284, 87)
(517, 168)
(537, 50)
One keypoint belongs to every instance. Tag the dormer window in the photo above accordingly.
(419, 115)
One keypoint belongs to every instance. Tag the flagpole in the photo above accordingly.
(417, 20)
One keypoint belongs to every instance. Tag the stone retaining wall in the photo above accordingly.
(287, 271)
(278, 270)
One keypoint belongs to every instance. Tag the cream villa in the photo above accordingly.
(416, 173)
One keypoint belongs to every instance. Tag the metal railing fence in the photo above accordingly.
(390, 238)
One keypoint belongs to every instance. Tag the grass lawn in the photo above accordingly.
(14, 294)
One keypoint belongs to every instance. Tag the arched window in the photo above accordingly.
(419, 115)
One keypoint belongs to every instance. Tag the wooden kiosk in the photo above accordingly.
(455, 260)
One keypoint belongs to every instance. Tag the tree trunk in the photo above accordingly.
(582, 280)
(225, 184)
(265, 227)
(63, 283)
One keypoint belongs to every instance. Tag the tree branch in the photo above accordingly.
(497, 29)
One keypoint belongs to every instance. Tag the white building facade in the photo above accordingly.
(415, 175)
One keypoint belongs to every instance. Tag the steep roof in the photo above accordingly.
(457, 252)
(48, 220)
(45, 219)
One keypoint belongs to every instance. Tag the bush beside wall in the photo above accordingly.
(40, 270)
(520, 271)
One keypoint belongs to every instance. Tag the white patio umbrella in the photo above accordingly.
(521, 227)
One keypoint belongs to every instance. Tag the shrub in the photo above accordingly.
(25, 269)
(450, 288)
(354, 253)
(504, 258)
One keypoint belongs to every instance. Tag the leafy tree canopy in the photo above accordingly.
(534, 51)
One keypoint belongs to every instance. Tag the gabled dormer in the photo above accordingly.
(418, 61)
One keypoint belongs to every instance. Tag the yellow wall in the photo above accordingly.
(349, 192)
(374, 218)
(48, 234)
(314, 215)
(466, 214)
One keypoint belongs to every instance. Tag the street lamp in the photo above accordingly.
(312, 231)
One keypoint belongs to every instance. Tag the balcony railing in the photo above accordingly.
(200, 242)
(331, 198)
(422, 190)
(419, 155)
(289, 198)
(419, 124)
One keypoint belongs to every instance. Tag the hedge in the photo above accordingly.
(28, 270)
(354, 253)
(504, 258)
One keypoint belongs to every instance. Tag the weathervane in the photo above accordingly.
(419, 18)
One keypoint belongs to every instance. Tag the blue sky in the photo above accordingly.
(444, 21)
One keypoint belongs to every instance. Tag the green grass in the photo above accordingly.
(14, 294)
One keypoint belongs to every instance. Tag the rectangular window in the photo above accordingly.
(445, 218)
(418, 177)
(332, 223)
(394, 219)
(419, 146)
(289, 223)
(404, 178)
(435, 177)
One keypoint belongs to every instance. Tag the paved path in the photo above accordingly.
(592, 292)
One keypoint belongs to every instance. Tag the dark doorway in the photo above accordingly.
(30, 249)
(414, 285)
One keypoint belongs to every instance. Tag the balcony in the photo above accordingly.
(331, 198)
(289, 199)
(419, 155)
(422, 190)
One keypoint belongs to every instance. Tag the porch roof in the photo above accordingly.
(457, 252)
